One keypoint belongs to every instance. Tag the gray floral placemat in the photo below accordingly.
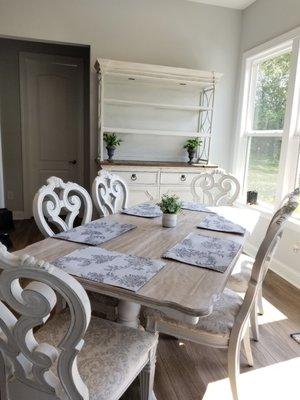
(145, 210)
(104, 266)
(95, 232)
(204, 251)
(194, 206)
(221, 224)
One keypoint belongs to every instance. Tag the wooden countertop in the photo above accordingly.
(159, 164)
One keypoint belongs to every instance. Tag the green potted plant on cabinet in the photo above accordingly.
(112, 141)
(170, 205)
(191, 146)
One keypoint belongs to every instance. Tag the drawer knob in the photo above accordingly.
(183, 178)
(133, 177)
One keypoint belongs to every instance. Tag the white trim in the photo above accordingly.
(265, 134)
(283, 270)
(279, 40)
(288, 155)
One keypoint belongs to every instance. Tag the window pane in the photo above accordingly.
(262, 174)
(271, 93)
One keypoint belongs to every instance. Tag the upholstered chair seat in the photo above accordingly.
(111, 357)
(71, 355)
(216, 326)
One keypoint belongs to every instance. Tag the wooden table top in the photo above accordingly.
(181, 287)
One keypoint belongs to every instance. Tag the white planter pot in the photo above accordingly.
(169, 220)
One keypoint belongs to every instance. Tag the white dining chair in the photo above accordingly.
(228, 324)
(58, 204)
(216, 188)
(109, 193)
(241, 273)
(72, 356)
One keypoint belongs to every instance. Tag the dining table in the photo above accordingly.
(180, 290)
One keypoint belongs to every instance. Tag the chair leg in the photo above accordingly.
(260, 307)
(234, 367)
(247, 347)
(147, 378)
(254, 323)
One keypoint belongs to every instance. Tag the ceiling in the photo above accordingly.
(238, 4)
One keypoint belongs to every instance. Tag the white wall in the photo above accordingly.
(266, 19)
(262, 21)
(169, 32)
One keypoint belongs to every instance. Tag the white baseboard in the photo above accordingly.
(281, 269)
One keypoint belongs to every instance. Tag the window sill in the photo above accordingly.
(267, 212)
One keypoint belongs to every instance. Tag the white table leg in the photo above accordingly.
(128, 313)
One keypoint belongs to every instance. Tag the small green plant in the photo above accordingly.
(170, 204)
(111, 140)
(192, 144)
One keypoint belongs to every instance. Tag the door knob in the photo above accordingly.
(73, 162)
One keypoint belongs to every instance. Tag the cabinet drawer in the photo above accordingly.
(138, 177)
(177, 178)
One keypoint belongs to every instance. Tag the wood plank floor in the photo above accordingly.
(186, 371)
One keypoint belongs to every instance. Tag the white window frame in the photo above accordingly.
(290, 134)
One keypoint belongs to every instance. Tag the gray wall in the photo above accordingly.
(266, 19)
(171, 32)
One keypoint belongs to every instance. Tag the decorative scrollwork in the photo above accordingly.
(57, 198)
(108, 192)
(215, 188)
(23, 358)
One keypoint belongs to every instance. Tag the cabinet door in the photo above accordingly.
(142, 194)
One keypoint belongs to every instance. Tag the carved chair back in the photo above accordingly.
(216, 188)
(60, 203)
(32, 370)
(109, 192)
(261, 263)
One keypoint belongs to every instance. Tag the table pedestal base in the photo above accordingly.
(128, 313)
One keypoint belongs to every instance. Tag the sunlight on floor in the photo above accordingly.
(278, 381)
(271, 314)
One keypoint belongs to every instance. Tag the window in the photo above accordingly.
(267, 153)
(268, 97)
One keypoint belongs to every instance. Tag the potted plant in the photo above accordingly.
(191, 146)
(170, 205)
(112, 141)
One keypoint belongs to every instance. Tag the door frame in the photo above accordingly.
(25, 131)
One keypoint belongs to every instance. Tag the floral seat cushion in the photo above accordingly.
(241, 274)
(111, 357)
(220, 322)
